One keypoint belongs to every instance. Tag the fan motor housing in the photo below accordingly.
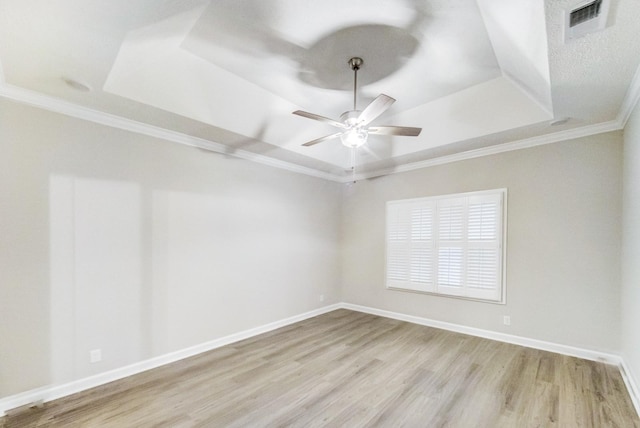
(350, 117)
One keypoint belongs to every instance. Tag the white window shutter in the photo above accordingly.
(451, 219)
(421, 264)
(450, 245)
(482, 268)
(450, 266)
(422, 230)
(398, 263)
(398, 250)
(451, 248)
(422, 223)
(410, 259)
(483, 219)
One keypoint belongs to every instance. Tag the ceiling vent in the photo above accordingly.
(584, 18)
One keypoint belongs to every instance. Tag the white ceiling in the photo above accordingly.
(226, 74)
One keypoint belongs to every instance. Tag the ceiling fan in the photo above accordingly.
(353, 123)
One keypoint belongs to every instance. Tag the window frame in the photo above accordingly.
(406, 247)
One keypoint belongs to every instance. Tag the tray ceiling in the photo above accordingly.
(228, 74)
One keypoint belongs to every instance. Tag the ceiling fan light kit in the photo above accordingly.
(354, 138)
(353, 123)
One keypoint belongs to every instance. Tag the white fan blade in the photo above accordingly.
(406, 131)
(320, 118)
(375, 109)
(321, 139)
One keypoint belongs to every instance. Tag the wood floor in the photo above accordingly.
(348, 369)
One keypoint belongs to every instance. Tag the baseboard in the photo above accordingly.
(54, 392)
(632, 385)
(627, 374)
(586, 354)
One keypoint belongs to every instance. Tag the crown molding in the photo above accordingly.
(57, 105)
(631, 99)
(556, 137)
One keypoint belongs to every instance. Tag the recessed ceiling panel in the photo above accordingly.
(415, 51)
(240, 65)
(470, 73)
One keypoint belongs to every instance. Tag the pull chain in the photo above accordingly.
(353, 164)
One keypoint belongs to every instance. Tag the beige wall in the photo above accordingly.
(563, 250)
(221, 245)
(631, 247)
(139, 247)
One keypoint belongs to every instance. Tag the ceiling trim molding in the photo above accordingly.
(556, 137)
(56, 105)
(631, 99)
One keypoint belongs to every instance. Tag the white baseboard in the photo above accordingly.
(54, 392)
(586, 354)
(632, 385)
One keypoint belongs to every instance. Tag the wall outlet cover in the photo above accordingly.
(95, 355)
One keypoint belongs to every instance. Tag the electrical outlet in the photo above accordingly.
(506, 320)
(322, 297)
(95, 356)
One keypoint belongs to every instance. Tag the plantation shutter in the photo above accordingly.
(451, 251)
(410, 246)
(484, 269)
(447, 245)
(398, 254)
(421, 263)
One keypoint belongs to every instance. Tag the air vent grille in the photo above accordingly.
(585, 13)
(585, 18)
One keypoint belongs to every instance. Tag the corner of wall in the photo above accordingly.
(631, 384)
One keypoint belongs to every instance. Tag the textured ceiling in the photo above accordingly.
(471, 73)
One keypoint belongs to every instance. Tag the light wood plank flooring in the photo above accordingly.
(348, 369)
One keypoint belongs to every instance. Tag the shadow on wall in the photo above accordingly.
(139, 272)
(96, 275)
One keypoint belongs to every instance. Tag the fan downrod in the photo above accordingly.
(353, 124)
(355, 63)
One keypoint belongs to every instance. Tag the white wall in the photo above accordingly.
(631, 247)
(563, 250)
(136, 246)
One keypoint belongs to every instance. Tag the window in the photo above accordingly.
(451, 245)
